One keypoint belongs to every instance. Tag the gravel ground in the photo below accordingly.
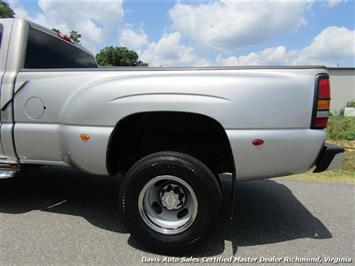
(63, 217)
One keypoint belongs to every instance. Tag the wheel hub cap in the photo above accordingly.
(172, 197)
(168, 204)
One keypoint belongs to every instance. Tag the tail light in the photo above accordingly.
(65, 37)
(321, 103)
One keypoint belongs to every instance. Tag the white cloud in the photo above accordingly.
(332, 46)
(333, 3)
(132, 39)
(228, 24)
(169, 51)
(95, 20)
(269, 56)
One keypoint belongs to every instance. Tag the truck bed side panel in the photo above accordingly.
(272, 103)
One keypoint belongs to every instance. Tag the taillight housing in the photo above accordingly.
(321, 105)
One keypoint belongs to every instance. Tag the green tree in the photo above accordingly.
(5, 10)
(75, 36)
(118, 56)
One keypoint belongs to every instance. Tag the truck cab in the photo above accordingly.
(26, 45)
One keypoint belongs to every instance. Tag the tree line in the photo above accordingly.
(109, 56)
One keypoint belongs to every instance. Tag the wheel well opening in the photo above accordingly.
(144, 133)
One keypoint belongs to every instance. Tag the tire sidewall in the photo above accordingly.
(198, 176)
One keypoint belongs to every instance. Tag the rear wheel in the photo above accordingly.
(169, 201)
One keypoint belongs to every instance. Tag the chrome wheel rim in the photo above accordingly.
(168, 205)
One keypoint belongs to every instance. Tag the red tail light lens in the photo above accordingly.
(324, 88)
(320, 122)
(322, 102)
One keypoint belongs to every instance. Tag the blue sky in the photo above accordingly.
(219, 32)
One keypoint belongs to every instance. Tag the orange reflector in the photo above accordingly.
(84, 137)
(323, 104)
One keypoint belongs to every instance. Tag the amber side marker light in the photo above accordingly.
(322, 102)
(84, 137)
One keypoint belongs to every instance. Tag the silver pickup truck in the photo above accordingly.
(170, 132)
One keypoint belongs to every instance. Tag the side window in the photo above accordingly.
(47, 51)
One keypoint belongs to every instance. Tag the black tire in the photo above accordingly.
(199, 178)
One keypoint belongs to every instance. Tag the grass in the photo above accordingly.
(344, 174)
(341, 128)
